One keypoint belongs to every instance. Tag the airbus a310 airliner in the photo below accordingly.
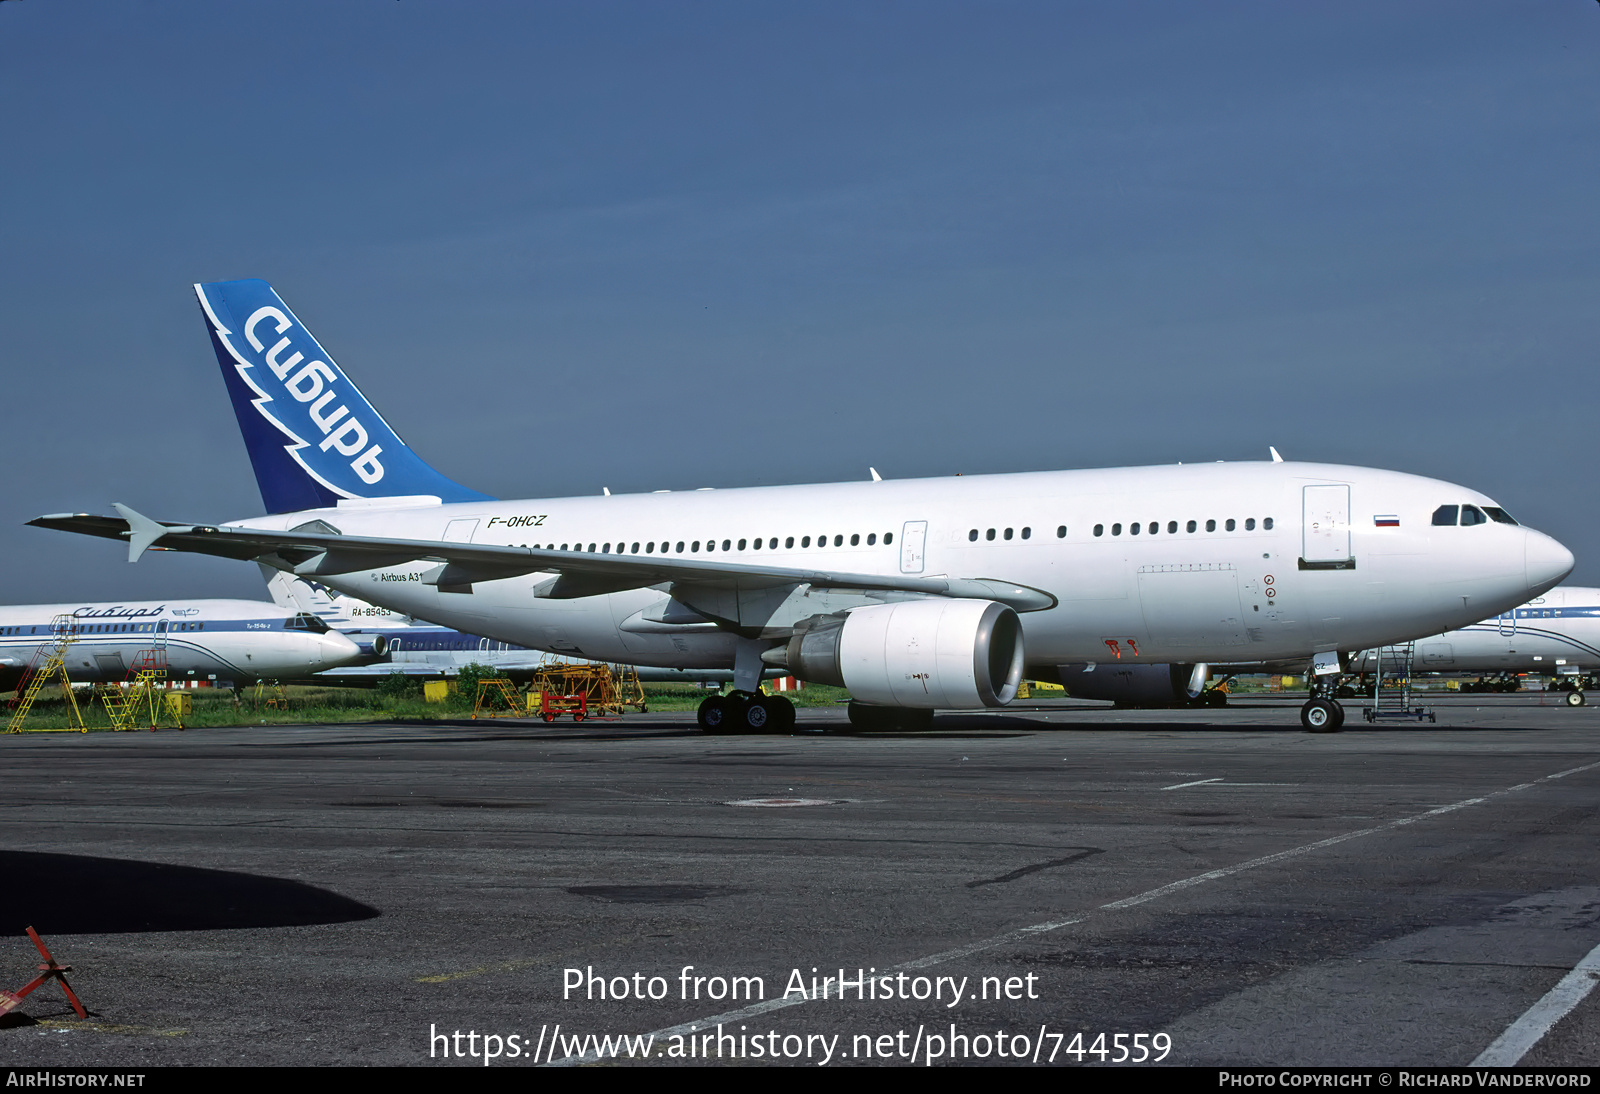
(916, 595)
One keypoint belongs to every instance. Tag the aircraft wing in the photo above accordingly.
(459, 565)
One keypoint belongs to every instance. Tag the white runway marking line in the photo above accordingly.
(1527, 1031)
(1197, 782)
(700, 1025)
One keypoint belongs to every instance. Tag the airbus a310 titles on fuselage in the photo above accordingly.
(916, 595)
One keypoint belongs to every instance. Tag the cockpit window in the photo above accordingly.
(1445, 515)
(1471, 514)
(305, 621)
(1498, 515)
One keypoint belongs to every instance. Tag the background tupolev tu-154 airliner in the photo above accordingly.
(916, 595)
(210, 640)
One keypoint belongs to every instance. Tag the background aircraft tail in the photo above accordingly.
(312, 437)
(336, 609)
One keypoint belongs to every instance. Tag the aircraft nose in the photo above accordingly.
(338, 650)
(1547, 562)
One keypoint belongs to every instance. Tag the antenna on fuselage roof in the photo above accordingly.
(875, 476)
(606, 490)
(1275, 457)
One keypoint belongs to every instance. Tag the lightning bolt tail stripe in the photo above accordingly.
(293, 471)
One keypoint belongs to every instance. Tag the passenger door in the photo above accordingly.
(1326, 525)
(913, 542)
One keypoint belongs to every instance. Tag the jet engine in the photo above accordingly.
(930, 654)
(1135, 685)
(372, 646)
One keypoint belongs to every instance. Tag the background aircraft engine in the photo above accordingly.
(1129, 685)
(931, 654)
(370, 645)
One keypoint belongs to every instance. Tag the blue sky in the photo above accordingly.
(656, 245)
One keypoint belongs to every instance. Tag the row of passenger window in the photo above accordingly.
(1027, 533)
(107, 628)
(651, 547)
(1154, 526)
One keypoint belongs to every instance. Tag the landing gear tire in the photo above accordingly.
(1215, 697)
(746, 714)
(714, 715)
(1322, 716)
(780, 719)
(1576, 698)
(753, 715)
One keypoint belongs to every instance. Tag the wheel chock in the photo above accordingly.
(50, 969)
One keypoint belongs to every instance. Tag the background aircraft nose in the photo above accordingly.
(1547, 562)
(338, 650)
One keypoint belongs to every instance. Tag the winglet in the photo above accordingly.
(142, 531)
(1275, 457)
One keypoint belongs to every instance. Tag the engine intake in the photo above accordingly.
(931, 654)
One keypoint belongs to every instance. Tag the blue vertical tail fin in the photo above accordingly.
(312, 437)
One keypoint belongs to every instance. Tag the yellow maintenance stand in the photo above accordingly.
(275, 697)
(584, 690)
(49, 663)
(492, 694)
(143, 694)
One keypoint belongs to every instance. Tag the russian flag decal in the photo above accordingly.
(1387, 520)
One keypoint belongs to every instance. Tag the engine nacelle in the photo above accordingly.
(372, 646)
(1134, 685)
(935, 654)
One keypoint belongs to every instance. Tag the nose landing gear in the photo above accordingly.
(1322, 716)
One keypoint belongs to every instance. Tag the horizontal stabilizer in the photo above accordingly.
(142, 531)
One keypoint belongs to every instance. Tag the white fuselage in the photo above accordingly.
(197, 640)
(1284, 559)
(1556, 633)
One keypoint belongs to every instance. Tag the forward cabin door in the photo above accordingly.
(1326, 526)
(913, 541)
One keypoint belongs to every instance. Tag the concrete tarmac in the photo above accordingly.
(1005, 888)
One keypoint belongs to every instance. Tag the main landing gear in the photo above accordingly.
(740, 712)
